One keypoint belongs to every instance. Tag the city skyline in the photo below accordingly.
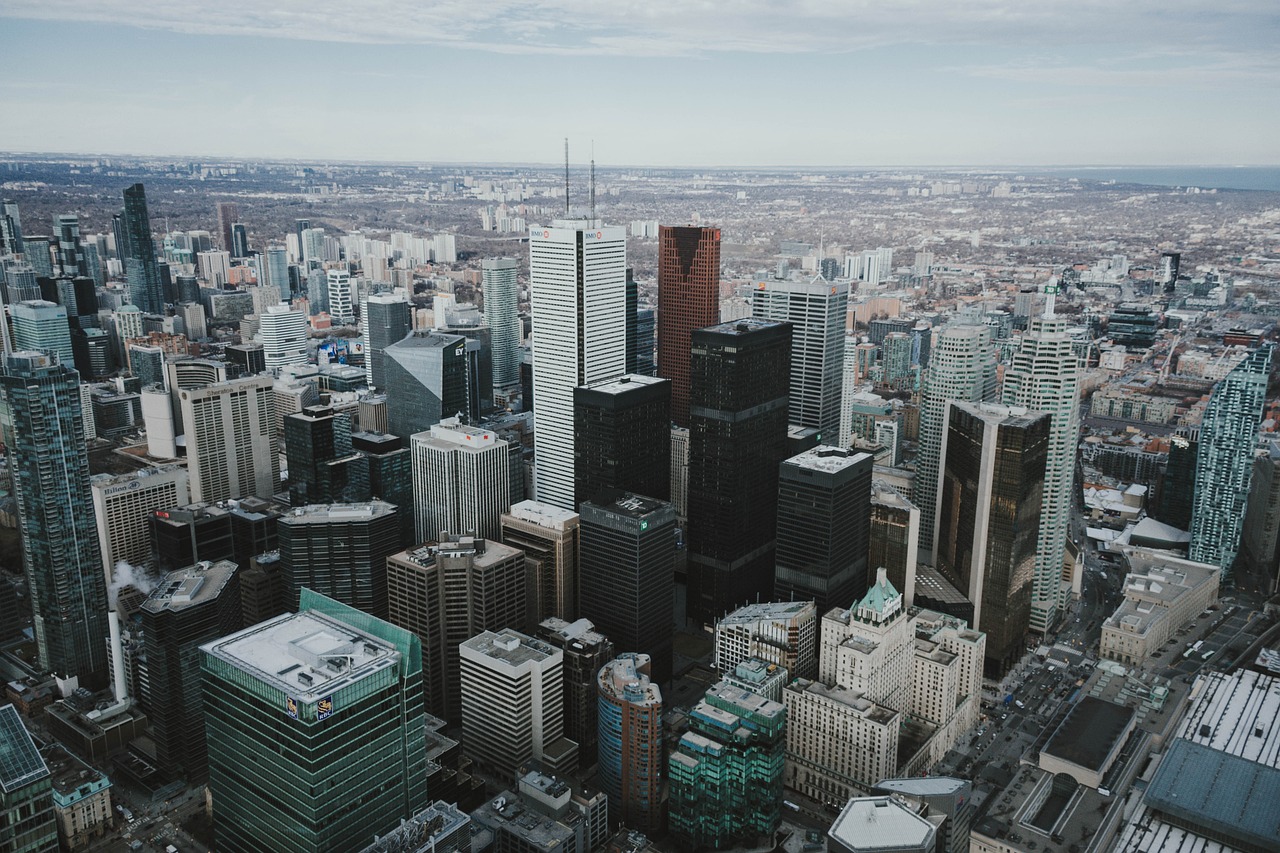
(1005, 81)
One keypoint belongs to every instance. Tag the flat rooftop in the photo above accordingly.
(1237, 714)
(879, 824)
(329, 513)
(623, 384)
(543, 514)
(744, 326)
(190, 587)
(828, 459)
(1089, 733)
(305, 655)
(628, 504)
(783, 610)
(510, 647)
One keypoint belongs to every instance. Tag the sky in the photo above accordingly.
(841, 83)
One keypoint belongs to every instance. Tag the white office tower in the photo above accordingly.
(513, 704)
(461, 482)
(501, 312)
(848, 388)
(194, 323)
(231, 443)
(284, 334)
(577, 287)
(1044, 376)
(962, 367)
(341, 305)
(816, 311)
(123, 505)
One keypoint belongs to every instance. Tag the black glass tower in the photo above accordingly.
(323, 468)
(340, 550)
(623, 437)
(139, 251)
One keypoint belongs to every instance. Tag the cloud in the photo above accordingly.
(649, 28)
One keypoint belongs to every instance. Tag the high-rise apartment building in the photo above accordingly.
(989, 506)
(139, 253)
(739, 375)
(461, 482)
(123, 507)
(341, 551)
(577, 290)
(188, 608)
(231, 440)
(631, 753)
(622, 429)
(386, 318)
(627, 580)
(341, 303)
(42, 325)
(824, 505)
(688, 299)
(502, 314)
(284, 336)
(726, 771)
(315, 730)
(783, 633)
(585, 650)
(962, 367)
(42, 421)
(1224, 463)
(513, 704)
(447, 592)
(275, 271)
(1044, 376)
(816, 311)
(548, 536)
(426, 381)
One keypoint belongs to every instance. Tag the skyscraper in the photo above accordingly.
(323, 466)
(989, 509)
(688, 299)
(231, 442)
(585, 650)
(228, 215)
(824, 508)
(501, 312)
(461, 482)
(43, 326)
(1044, 376)
(239, 241)
(43, 427)
(386, 321)
(577, 289)
(340, 550)
(123, 506)
(284, 337)
(139, 253)
(341, 304)
(390, 472)
(10, 229)
(1224, 463)
(962, 367)
(66, 230)
(626, 584)
(739, 374)
(426, 381)
(315, 730)
(623, 432)
(27, 818)
(276, 268)
(548, 536)
(816, 311)
(630, 765)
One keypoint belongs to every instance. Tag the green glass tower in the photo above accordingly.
(726, 773)
(43, 427)
(316, 730)
(27, 823)
(1224, 460)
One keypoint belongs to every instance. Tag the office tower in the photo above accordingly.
(646, 342)
(300, 225)
(783, 633)
(461, 482)
(341, 304)
(386, 321)
(577, 289)
(426, 381)
(188, 608)
(19, 282)
(92, 352)
(318, 742)
(340, 550)
(633, 307)
(963, 368)
(513, 704)
(680, 471)
(501, 313)
(893, 537)
(194, 323)
(626, 583)
(231, 443)
(688, 299)
(1044, 376)
(548, 536)
(824, 503)
(1170, 262)
(215, 268)
(1224, 463)
(239, 241)
(630, 767)
(323, 466)
(739, 373)
(1261, 529)
(184, 535)
(10, 229)
(139, 253)
(284, 337)
(585, 650)
(479, 367)
(66, 230)
(816, 311)
(446, 592)
(38, 252)
(726, 772)
(318, 292)
(389, 469)
(275, 266)
(123, 506)
(945, 797)
(41, 325)
(27, 819)
(989, 504)
(623, 432)
(43, 426)
(228, 215)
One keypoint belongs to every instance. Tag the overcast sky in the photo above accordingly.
(659, 82)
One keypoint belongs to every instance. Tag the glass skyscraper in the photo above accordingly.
(139, 251)
(1224, 460)
(43, 425)
(501, 307)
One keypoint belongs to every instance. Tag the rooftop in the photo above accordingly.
(827, 459)
(20, 761)
(628, 504)
(744, 326)
(925, 786)
(419, 833)
(189, 587)
(510, 647)
(1089, 733)
(879, 824)
(328, 513)
(621, 678)
(622, 384)
(782, 610)
(1237, 714)
(543, 515)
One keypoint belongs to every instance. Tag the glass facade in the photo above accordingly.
(426, 381)
(139, 253)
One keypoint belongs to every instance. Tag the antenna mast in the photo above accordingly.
(593, 179)
(566, 177)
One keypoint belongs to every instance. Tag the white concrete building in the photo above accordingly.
(341, 301)
(123, 507)
(461, 482)
(1161, 594)
(231, 441)
(284, 335)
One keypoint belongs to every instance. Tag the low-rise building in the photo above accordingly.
(1161, 594)
(81, 798)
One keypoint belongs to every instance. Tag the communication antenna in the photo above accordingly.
(566, 177)
(593, 179)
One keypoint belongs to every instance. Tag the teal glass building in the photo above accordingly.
(316, 730)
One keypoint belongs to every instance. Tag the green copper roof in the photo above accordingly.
(879, 596)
